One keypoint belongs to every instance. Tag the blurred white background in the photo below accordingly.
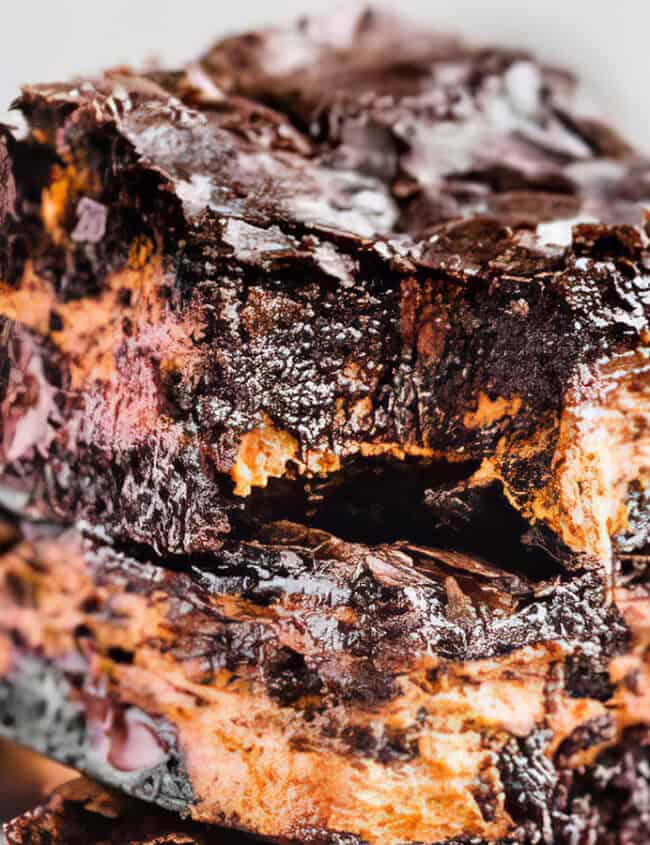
(605, 41)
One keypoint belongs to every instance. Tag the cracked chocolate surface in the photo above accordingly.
(226, 282)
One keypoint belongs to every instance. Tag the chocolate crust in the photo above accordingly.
(211, 287)
(322, 663)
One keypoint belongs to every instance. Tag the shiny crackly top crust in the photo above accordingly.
(312, 250)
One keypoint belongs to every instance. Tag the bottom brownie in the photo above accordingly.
(607, 803)
(315, 691)
(83, 813)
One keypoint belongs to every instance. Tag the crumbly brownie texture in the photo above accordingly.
(308, 259)
(313, 690)
(83, 813)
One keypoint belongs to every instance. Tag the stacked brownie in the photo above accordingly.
(325, 448)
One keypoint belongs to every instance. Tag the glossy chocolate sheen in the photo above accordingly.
(83, 813)
(313, 252)
(317, 691)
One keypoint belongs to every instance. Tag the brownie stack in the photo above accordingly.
(325, 448)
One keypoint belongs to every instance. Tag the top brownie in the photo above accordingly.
(348, 273)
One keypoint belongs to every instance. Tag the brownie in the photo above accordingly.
(324, 448)
(307, 261)
(309, 689)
